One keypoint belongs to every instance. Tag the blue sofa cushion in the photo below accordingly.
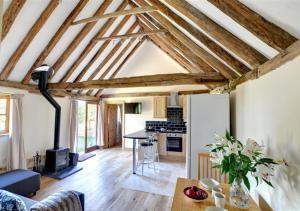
(11, 202)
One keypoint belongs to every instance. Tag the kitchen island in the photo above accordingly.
(142, 134)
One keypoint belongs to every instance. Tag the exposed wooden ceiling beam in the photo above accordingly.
(92, 44)
(77, 40)
(55, 39)
(143, 81)
(230, 41)
(194, 62)
(132, 11)
(109, 56)
(114, 62)
(17, 85)
(268, 32)
(13, 60)
(282, 58)
(132, 35)
(153, 94)
(10, 15)
(34, 89)
(117, 70)
(207, 57)
(203, 38)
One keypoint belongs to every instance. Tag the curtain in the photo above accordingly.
(16, 152)
(100, 124)
(73, 125)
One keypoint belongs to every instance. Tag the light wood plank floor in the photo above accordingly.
(101, 180)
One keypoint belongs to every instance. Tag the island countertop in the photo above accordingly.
(142, 134)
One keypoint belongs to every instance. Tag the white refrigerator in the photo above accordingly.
(207, 114)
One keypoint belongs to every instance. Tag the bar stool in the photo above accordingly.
(148, 157)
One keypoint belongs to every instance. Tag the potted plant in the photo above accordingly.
(239, 161)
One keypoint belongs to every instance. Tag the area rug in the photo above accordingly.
(85, 156)
(64, 173)
(162, 181)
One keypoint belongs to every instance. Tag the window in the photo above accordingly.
(4, 114)
(87, 126)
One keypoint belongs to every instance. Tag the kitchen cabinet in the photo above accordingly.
(160, 107)
(183, 104)
(162, 144)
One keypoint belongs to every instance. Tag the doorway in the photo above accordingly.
(113, 122)
(87, 127)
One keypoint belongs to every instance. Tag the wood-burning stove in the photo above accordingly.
(58, 157)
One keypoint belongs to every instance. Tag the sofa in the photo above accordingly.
(29, 202)
(24, 183)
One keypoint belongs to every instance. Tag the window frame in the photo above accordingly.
(6, 130)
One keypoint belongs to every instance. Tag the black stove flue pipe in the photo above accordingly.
(41, 74)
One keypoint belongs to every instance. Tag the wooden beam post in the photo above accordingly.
(55, 39)
(10, 15)
(143, 81)
(92, 44)
(12, 62)
(231, 42)
(268, 32)
(132, 11)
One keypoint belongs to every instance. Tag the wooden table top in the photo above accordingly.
(182, 203)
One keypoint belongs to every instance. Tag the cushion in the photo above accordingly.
(11, 202)
(61, 201)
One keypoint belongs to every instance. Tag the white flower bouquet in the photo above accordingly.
(238, 160)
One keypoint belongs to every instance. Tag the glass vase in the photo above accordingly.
(239, 195)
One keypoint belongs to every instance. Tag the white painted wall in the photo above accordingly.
(136, 122)
(38, 124)
(268, 110)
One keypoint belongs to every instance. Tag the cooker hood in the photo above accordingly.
(173, 100)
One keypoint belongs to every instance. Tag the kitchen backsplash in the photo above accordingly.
(174, 121)
(174, 114)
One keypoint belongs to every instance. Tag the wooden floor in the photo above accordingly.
(101, 180)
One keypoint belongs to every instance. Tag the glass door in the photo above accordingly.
(91, 125)
(87, 126)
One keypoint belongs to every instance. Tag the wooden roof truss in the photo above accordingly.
(214, 65)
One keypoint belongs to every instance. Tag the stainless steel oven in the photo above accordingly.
(174, 142)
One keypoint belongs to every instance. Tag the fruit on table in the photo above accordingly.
(196, 193)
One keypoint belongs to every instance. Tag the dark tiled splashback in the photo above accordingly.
(174, 121)
(174, 114)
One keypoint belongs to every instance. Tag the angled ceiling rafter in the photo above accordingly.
(15, 57)
(90, 46)
(79, 37)
(55, 39)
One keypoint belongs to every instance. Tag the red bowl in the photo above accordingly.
(195, 199)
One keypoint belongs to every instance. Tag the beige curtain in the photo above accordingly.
(16, 152)
(73, 125)
(100, 125)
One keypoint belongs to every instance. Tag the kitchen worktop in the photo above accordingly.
(142, 134)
